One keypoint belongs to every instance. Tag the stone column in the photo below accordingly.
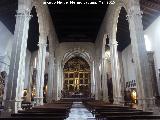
(16, 76)
(50, 86)
(62, 80)
(40, 70)
(104, 80)
(115, 71)
(58, 80)
(143, 78)
(55, 82)
(93, 80)
(30, 83)
(98, 82)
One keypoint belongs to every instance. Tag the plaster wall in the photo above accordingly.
(128, 64)
(6, 38)
(63, 48)
(27, 68)
(70, 47)
(152, 33)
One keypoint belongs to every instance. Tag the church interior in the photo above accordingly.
(80, 60)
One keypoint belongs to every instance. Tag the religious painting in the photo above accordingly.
(86, 75)
(66, 81)
(70, 81)
(81, 75)
(71, 75)
(86, 81)
(81, 81)
(71, 88)
(76, 74)
(66, 75)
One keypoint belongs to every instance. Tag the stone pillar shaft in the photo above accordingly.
(40, 71)
(93, 80)
(97, 82)
(50, 86)
(58, 81)
(16, 76)
(140, 55)
(55, 83)
(30, 83)
(104, 80)
(115, 72)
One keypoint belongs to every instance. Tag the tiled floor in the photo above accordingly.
(79, 112)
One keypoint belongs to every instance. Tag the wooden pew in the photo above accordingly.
(121, 113)
(104, 111)
(26, 105)
(56, 110)
(133, 117)
(32, 118)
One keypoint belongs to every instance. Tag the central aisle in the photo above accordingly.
(79, 112)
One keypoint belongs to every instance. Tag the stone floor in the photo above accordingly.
(79, 112)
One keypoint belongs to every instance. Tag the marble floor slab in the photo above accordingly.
(79, 112)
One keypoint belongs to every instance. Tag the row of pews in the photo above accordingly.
(106, 111)
(58, 110)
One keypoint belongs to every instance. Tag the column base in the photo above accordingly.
(98, 96)
(147, 104)
(55, 96)
(49, 99)
(105, 99)
(38, 101)
(117, 100)
(12, 106)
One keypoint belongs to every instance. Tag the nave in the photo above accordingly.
(106, 57)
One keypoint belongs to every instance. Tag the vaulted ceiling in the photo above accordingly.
(79, 23)
(123, 34)
(7, 13)
(151, 10)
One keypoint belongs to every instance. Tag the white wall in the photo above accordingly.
(30, 64)
(27, 68)
(46, 63)
(65, 47)
(6, 38)
(152, 33)
(128, 65)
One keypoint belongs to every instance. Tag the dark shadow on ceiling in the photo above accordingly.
(7, 13)
(77, 23)
(123, 33)
(33, 33)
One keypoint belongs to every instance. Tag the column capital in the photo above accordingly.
(23, 13)
(133, 12)
(42, 44)
(113, 43)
